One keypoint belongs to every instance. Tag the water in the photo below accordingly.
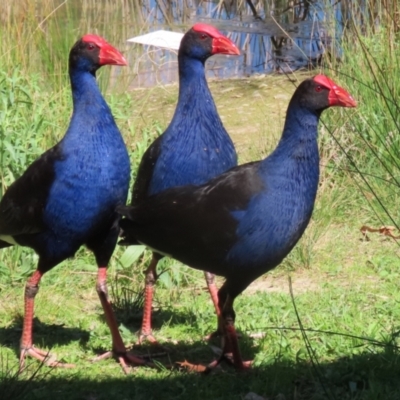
(274, 36)
(275, 40)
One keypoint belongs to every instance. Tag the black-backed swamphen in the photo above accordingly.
(67, 197)
(194, 148)
(244, 222)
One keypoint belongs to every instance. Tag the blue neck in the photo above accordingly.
(86, 95)
(282, 210)
(299, 139)
(194, 94)
(195, 146)
(191, 72)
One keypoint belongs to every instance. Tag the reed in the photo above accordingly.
(370, 139)
(359, 185)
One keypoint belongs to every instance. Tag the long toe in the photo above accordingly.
(213, 335)
(157, 349)
(187, 366)
(238, 363)
(146, 337)
(217, 334)
(242, 366)
(126, 359)
(43, 356)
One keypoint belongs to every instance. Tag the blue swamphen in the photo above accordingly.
(67, 197)
(194, 148)
(242, 223)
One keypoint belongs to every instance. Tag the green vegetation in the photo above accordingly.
(345, 285)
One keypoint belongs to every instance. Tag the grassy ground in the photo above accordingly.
(342, 282)
(343, 341)
(349, 288)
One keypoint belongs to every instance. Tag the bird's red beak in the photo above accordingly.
(111, 56)
(337, 95)
(223, 45)
(108, 54)
(340, 97)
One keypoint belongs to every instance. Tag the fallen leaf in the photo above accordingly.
(383, 230)
(253, 396)
(191, 367)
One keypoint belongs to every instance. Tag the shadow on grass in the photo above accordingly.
(363, 377)
(370, 375)
(161, 317)
(44, 334)
(194, 351)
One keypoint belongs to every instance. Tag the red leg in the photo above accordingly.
(27, 347)
(230, 344)
(151, 278)
(118, 347)
(212, 288)
(231, 351)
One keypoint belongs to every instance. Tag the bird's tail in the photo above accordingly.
(127, 232)
(4, 244)
(124, 211)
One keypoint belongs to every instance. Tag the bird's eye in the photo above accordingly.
(318, 88)
(90, 46)
(203, 36)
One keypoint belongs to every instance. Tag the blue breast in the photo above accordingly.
(92, 177)
(276, 218)
(195, 147)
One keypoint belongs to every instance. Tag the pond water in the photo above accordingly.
(274, 36)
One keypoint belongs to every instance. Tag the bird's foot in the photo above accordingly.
(146, 337)
(213, 335)
(149, 337)
(187, 366)
(228, 356)
(43, 356)
(125, 359)
(217, 334)
(239, 365)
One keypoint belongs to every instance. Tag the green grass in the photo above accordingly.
(345, 286)
(358, 298)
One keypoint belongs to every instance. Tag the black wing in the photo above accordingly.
(145, 172)
(21, 208)
(194, 224)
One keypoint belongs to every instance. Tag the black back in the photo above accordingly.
(21, 207)
(173, 219)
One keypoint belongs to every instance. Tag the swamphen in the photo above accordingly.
(67, 197)
(244, 222)
(194, 148)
